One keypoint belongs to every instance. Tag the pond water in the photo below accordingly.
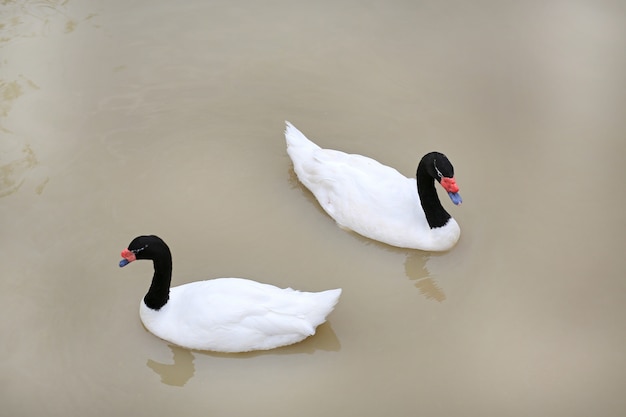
(148, 117)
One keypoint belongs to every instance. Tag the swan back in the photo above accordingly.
(238, 315)
(365, 196)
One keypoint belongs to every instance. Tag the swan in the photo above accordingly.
(224, 314)
(375, 200)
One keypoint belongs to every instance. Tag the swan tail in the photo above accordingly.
(296, 139)
(325, 303)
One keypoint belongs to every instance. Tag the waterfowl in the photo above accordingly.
(375, 200)
(224, 314)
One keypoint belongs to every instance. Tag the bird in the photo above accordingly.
(375, 200)
(225, 315)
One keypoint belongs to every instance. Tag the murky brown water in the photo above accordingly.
(123, 118)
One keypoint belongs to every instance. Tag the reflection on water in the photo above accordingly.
(416, 269)
(177, 373)
(428, 287)
(182, 369)
(168, 118)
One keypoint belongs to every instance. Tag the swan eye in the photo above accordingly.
(136, 251)
(439, 174)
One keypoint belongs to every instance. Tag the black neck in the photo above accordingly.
(436, 215)
(159, 291)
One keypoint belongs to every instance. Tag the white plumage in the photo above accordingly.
(365, 196)
(225, 314)
(237, 315)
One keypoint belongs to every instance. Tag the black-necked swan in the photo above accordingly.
(224, 314)
(375, 200)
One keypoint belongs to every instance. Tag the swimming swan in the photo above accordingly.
(375, 200)
(224, 314)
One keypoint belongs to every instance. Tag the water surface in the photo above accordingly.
(125, 118)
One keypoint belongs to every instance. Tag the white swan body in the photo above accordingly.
(224, 314)
(237, 315)
(365, 196)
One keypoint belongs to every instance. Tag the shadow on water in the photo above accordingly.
(178, 373)
(182, 369)
(416, 269)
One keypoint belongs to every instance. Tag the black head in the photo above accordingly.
(145, 247)
(437, 165)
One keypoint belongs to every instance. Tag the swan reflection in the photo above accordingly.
(416, 269)
(178, 373)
